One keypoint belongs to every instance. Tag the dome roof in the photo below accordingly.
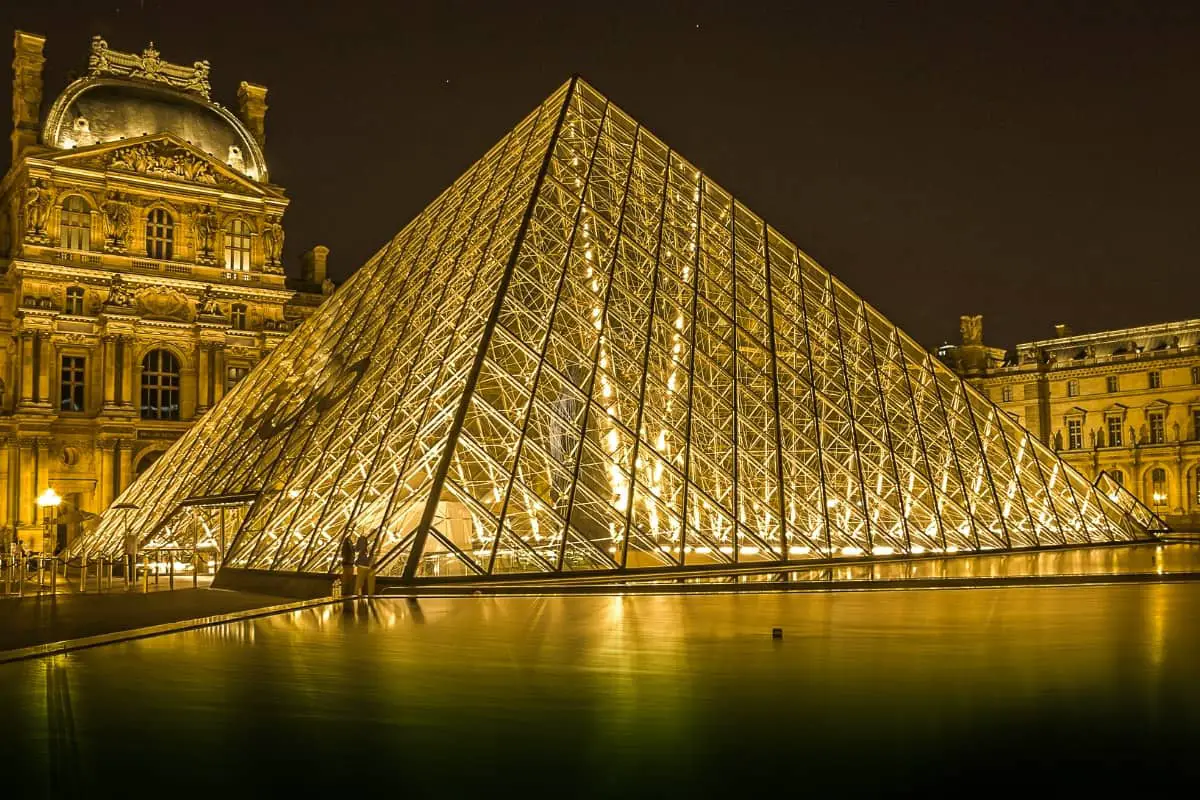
(94, 110)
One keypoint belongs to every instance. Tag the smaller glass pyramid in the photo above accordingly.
(585, 356)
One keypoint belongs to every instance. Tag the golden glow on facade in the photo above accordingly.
(140, 275)
(587, 356)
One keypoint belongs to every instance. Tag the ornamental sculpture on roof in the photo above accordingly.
(148, 67)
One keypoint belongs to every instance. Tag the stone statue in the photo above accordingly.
(119, 294)
(117, 220)
(206, 230)
(98, 59)
(37, 206)
(273, 240)
(971, 328)
(327, 287)
(207, 304)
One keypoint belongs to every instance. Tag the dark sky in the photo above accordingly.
(1036, 162)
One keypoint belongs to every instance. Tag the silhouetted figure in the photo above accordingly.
(362, 560)
(347, 564)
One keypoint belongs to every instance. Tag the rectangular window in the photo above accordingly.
(1072, 388)
(72, 386)
(1006, 394)
(233, 375)
(1074, 434)
(1195, 374)
(1114, 432)
(1156, 380)
(1196, 423)
(1114, 383)
(1158, 431)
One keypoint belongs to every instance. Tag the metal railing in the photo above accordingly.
(36, 574)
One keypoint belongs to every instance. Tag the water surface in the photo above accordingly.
(1023, 690)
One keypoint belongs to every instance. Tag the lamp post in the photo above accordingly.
(48, 501)
(128, 547)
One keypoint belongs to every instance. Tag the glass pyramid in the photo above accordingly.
(587, 356)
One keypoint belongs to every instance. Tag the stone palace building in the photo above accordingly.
(1124, 401)
(141, 274)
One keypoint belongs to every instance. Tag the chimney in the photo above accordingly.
(27, 90)
(313, 269)
(1062, 330)
(252, 110)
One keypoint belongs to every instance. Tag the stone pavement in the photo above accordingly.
(29, 621)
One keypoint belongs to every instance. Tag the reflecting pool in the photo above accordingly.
(948, 691)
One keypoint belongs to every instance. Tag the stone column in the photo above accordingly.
(128, 390)
(104, 480)
(27, 376)
(45, 362)
(24, 512)
(6, 489)
(203, 378)
(110, 371)
(125, 456)
(218, 385)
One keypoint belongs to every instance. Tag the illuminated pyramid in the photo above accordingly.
(587, 356)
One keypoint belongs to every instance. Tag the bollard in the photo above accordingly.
(41, 562)
(171, 572)
(195, 570)
(53, 578)
(21, 575)
(146, 573)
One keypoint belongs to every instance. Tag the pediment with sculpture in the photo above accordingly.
(161, 156)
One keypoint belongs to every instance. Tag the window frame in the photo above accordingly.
(161, 385)
(1158, 486)
(73, 302)
(75, 224)
(239, 245)
(160, 234)
(238, 317)
(1151, 418)
(1115, 423)
(1154, 379)
(1073, 388)
(72, 383)
(1074, 434)
(1006, 394)
(230, 369)
(1112, 383)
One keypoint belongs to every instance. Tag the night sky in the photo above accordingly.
(1036, 162)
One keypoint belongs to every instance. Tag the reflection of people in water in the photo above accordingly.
(347, 564)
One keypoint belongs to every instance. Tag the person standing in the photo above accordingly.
(362, 560)
(347, 564)
(131, 548)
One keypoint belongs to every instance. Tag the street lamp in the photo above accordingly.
(48, 501)
(128, 546)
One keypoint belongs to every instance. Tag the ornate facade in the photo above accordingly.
(141, 273)
(1125, 402)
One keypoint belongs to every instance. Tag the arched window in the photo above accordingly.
(74, 304)
(1158, 486)
(237, 245)
(160, 235)
(76, 224)
(145, 461)
(160, 385)
(237, 316)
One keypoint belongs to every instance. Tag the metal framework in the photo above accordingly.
(585, 356)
